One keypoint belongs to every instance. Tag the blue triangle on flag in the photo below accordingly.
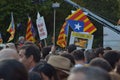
(77, 26)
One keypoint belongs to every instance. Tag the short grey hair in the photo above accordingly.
(92, 73)
(8, 53)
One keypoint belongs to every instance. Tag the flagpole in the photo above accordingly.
(54, 6)
(54, 26)
(45, 42)
(67, 35)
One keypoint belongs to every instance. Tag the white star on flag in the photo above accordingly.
(77, 26)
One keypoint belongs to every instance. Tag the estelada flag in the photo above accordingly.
(11, 28)
(80, 16)
(77, 26)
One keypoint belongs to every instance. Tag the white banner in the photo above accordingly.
(81, 40)
(111, 38)
(41, 27)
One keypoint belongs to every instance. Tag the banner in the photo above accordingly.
(82, 40)
(41, 27)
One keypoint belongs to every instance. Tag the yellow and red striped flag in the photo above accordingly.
(29, 35)
(80, 16)
(11, 28)
(62, 37)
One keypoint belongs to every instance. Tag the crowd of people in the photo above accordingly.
(31, 62)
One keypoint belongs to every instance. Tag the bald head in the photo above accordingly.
(8, 54)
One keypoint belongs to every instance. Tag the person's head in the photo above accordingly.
(114, 76)
(102, 63)
(34, 76)
(112, 57)
(99, 52)
(45, 51)
(61, 64)
(82, 49)
(28, 43)
(1, 47)
(70, 57)
(21, 40)
(88, 73)
(8, 53)
(12, 70)
(47, 71)
(118, 69)
(78, 55)
(108, 48)
(71, 48)
(29, 55)
(89, 55)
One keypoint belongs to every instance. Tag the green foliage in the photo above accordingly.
(107, 9)
(21, 9)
